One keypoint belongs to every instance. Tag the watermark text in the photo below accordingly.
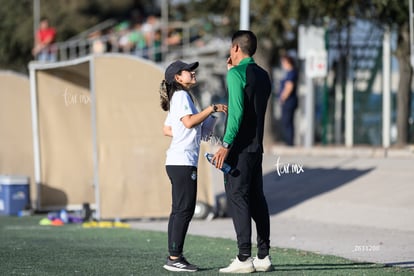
(287, 168)
(72, 99)
(366, 248)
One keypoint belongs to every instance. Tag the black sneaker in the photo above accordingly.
(180, 265)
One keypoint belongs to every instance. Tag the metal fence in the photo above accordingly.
(92, 42)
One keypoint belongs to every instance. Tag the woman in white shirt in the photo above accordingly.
(183, 124)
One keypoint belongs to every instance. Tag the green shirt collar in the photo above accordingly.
(246, 60)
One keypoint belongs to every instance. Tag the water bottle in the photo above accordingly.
(226, 167)
(64, 216)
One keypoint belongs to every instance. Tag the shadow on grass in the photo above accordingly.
(313, 267)
(402, 264)
(307, 267)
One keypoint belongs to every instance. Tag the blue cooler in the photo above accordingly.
(14, 194)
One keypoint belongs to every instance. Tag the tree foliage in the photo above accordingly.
(69, 17)
(16, 33)
(276, 23)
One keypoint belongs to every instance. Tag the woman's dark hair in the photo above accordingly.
(167, 91)
(289, 60)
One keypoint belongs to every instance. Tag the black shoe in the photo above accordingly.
(180, 265)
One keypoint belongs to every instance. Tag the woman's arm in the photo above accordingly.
(190, 121)
(167, 131)
(289, 85)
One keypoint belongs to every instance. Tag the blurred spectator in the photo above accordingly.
(45, 36)
(123, 41)
(137, 41)
(156, 46)
(148, 29)
(111, 39)
(174, 37)
(98, 45)
(288, 98)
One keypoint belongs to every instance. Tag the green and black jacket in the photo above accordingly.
(249, 88)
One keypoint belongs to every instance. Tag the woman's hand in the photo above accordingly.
(289, 85)
(192, 120)
(221, 108)
(167, 130)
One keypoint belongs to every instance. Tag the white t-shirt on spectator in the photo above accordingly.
(185, 144)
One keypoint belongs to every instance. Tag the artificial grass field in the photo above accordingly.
(27, 248)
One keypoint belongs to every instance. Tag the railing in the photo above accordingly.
(88, 42)
(99, 27)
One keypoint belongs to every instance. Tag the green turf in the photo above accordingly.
(29, 249)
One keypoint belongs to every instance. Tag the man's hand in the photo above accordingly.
(229, 63)
(220, 156)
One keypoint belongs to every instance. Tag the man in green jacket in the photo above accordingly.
(249, 88)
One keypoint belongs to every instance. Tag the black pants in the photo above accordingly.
(246, 201)
(184, 193)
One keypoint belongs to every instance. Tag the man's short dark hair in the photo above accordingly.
(246, 40)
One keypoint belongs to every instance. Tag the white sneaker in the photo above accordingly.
(264, 264)
(238, 266)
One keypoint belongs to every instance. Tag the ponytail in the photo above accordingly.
(164, 99)
(166, 92)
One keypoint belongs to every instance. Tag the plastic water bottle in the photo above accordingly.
(226, 167)
(64, 216)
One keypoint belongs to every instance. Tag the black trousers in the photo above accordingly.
(246, 201)
(184, 193)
